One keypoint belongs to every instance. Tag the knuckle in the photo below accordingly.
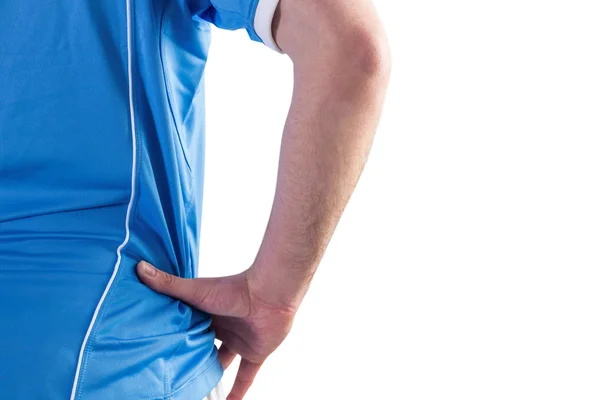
(201, 295)
(168, 279)
(246, 380)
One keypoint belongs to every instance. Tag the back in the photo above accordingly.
(101, 164)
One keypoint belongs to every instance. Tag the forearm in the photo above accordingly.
(337, 100)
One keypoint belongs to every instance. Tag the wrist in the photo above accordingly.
(277, 286)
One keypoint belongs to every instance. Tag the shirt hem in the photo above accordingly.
(200, 386)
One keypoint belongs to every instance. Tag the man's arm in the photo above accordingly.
(341, 69)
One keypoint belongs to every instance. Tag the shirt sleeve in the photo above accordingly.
(256, 16)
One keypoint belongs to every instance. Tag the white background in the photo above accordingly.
(467, 264)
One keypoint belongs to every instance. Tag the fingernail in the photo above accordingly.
(148, 269)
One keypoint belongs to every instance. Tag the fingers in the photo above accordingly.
(193, 293)
(226, 356)
(220, 296)
(171, 285)
(245, 376)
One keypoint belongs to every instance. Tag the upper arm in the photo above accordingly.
(256, 16)
(314, 33)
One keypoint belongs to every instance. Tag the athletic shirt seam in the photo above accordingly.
(134, 203)
(167, 82)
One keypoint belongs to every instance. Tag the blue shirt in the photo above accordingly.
(101, 166)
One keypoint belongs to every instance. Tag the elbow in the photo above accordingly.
(357, 53)
(366, 53)
(348, 43)
(338, 39)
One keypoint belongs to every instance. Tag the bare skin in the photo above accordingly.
(341, 71)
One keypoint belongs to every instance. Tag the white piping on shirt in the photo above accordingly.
(129, 206)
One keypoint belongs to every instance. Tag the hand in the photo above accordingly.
(245, 324)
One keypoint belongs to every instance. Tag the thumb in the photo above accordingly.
(226, 296)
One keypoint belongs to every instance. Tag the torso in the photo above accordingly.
(101, 163)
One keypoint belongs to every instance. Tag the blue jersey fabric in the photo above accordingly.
(101, 166)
